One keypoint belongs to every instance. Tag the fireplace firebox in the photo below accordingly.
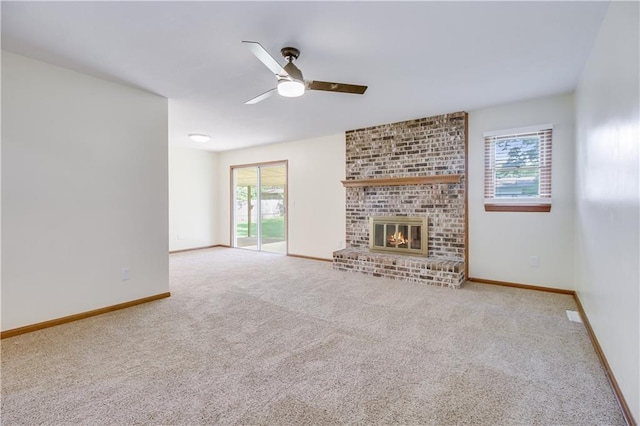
(398, 234)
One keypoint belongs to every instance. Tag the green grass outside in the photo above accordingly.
(271, 228)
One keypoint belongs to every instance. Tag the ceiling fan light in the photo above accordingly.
(290, 88)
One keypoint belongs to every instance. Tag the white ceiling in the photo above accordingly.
(418, 58)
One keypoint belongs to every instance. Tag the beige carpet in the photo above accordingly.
(256, 338)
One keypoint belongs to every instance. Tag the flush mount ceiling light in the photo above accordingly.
(198, 137)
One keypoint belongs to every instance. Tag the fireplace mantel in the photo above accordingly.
(414, 180)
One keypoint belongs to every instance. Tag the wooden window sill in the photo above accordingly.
(535, 208)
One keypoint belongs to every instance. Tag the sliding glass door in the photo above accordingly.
(245, 218)
(259, 207)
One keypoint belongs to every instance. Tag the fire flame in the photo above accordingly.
(398, 239)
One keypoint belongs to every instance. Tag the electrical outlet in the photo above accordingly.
(534, 261)
(125, 274)
(339, 244)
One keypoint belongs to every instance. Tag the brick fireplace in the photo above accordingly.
(412, 169)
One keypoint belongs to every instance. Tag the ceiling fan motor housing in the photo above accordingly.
(290, 53)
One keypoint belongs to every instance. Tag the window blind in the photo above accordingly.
(518, 165)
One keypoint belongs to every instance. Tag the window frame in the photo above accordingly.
(541, 203)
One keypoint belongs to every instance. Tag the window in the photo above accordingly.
(517, 169)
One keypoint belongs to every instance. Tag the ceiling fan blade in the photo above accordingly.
(329, 86)
(262, 97)
(264, 56)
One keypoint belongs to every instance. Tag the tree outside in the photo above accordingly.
(517, 167)
(273, 224)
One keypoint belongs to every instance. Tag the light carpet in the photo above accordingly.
(257, 338)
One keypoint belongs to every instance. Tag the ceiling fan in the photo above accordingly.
(290, 81)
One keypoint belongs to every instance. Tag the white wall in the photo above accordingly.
(608, 216)
(316, 195)
(501, 243)
(84, 192)
(193, 195)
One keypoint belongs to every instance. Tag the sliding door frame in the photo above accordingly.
(232, 190)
